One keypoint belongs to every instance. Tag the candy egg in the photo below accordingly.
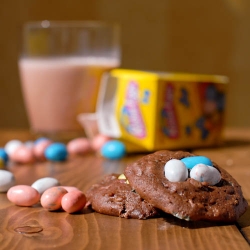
(191, 161)
(51, 198)
(11, 146)
(73, 201)
(41, 185)
(56, 152)
(113, 150)
(40, 139)
(175, 170)
(23, 155)
(29, 144)
(204, 173)
(4, 155)
(7, 180)
(79, 146)
(70, 188)
(23, 195)
(39, 148)
(98, 141)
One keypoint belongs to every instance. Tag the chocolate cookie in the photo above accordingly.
(113, 196)
(189, 199)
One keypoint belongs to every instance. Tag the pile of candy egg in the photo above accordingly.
(45, 149)
(199, 168)
(50, 194)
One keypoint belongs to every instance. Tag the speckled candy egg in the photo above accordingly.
(113, 150)
(73, 201)
(204, 173)
(41, 185)
(56, 152)
(175, 170)
(39, 148)
(23, 195)
(51, 198)
(79, 146)
(7, 180)
(23, 155)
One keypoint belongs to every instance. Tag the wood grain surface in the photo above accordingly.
(36, 228)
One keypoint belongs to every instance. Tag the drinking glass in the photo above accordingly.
(60, 67)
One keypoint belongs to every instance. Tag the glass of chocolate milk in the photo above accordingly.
(60, 69)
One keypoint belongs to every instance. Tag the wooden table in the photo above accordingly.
(36, 228)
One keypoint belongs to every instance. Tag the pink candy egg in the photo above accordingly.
(70, 188)
(23, 154)
(79, 146)
(73, 201)
(23, 195)
(39, 149)
(51, 198)
(98, 141)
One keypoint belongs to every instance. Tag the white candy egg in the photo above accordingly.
(41, 185)
(11, 146)
(7, 180)
(175, 170)
(204, 173)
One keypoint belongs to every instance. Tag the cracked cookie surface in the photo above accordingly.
(113, 196)
(190, 199)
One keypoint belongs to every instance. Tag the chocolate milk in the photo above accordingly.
(56, 90)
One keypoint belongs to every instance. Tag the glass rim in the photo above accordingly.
(46, 24)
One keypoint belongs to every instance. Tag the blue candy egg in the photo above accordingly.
(41, 139)
(56, 152)
(3, 155)
(191, 161)
(113, 150)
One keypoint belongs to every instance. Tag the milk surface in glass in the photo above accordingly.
(56, 90)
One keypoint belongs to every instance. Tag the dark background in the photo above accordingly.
(211, 36)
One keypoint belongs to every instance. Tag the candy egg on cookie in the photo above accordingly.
(205, 173)
(175, 170)
(191, 161)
